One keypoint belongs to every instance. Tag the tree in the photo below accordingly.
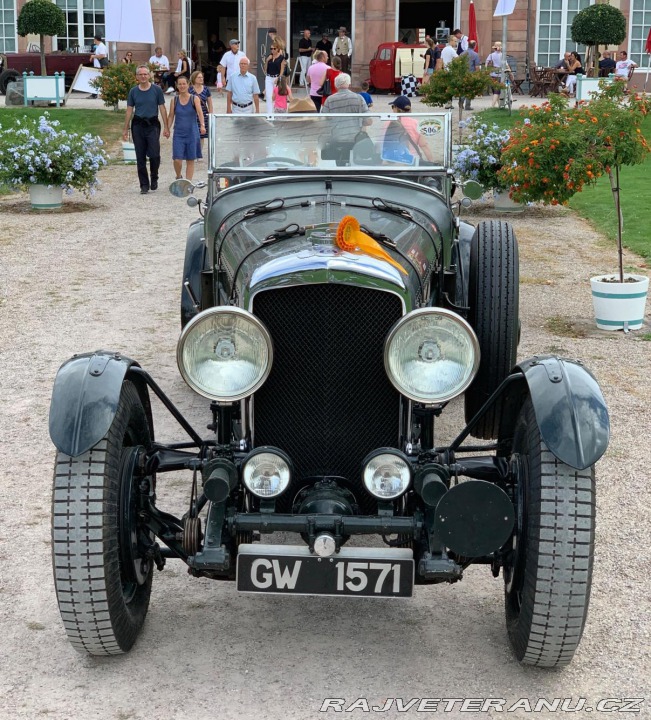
(597, 25)
(41, 17)
(456, 81)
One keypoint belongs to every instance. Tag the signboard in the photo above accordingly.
(504, 7)
(82, 79)
(129, 21)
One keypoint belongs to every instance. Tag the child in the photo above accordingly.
(281, 95)
(365, 94)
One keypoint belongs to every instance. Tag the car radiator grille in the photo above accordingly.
(327, 402)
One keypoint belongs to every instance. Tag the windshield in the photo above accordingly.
(302, 143)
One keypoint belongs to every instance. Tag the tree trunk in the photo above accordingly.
(614, 186)
(42, 43)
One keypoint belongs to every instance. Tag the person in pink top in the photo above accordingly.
(282, 95)
(316, 74)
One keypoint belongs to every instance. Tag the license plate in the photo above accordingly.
(356, 572)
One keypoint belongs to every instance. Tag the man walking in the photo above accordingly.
(229, 63)
(242, 91)
(144, 103)
(304, 54)
(474, 63)
(343, 49)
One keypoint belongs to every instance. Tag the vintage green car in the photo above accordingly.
(333, 304)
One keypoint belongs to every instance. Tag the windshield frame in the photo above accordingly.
(227, 145)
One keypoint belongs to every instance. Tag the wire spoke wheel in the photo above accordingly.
(101, 572)
(548, 563)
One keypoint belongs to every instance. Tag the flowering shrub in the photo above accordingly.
(37, 152)
(115, 82)
(558, 150)
(480, 160)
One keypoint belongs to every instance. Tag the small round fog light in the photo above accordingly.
(386, 474)
(267, 472)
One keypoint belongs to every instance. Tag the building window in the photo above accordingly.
(640, 23)
(7, 26)
(84, 18)
(555, 29)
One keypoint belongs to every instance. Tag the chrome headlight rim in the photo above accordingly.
(405, 319)
(268, 450)
(396, 453)
(224, 310)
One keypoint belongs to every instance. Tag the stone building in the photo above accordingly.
(538, 30)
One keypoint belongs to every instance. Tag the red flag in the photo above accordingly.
(472, 26)
(648, 43)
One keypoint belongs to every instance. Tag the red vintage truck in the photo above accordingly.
(391, 61)
(13, 65)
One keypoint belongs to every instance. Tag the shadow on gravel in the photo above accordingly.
(23, 207)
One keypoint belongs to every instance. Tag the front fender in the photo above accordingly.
(85, 399)
(570, 409)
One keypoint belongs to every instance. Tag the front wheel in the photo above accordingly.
(102, 572)
(548, 565)
(493, 297)
(6, 77)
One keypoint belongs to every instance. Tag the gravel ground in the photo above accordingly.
(106, 273)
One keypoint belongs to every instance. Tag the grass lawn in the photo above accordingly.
(105, 123)
(596, 203)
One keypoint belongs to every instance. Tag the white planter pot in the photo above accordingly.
(43, 197)
(619, 306)
(503, 203)
(129, 152)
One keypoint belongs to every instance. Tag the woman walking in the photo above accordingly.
(185, 110)
(316, 75)
(198, 89)
(274, 68)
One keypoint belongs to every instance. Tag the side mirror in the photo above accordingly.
(181, 188)
(472, 189)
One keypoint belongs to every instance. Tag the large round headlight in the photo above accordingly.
(267, 472)
(224, 353)
(386, 473)
(431, 355)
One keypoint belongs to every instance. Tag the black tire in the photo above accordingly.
(103, 599)
(548, 571)
(6, 77)
(493, 298)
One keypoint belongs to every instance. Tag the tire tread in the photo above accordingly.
(84, 543)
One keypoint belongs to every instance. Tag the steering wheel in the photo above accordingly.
(281, 161)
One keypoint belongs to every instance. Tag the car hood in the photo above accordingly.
(270, 234)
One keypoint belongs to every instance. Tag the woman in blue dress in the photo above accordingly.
(198, 88)
(185, 110)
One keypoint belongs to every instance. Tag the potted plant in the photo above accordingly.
(115, 82)
(456, 81)
(480, 160)
(37, 155)
(42, 18)
(557, 150)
